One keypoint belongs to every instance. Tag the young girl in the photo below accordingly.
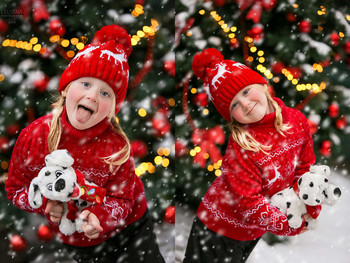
(270, 147)
(92, 90)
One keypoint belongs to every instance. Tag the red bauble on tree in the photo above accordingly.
(57, 27)
(347, 47)
(180, 148)
(313, 126)
(45, 233)
(219, 3)
(257, 33)
(304, 26)
(296, 72)
(333, 110)
(13, 129)
(291, 17)
(169, 67)
(17, 243)
(4, 144)
(201, 99)
(325, 149)
(335, 38)
(139, 148)
(160, 123)
(3, 27)
(277, 67)
(341, 123)
(41, 84)
(170, 215)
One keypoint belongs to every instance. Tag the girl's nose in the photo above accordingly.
(92, 95)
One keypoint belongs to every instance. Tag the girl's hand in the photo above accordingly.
(306, 217)
(55, 210)
(91, 226)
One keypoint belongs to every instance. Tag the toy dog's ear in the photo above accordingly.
(320, 169)
(35, 197)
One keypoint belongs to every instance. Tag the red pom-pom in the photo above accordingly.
(204, 60)
(170, 215)
(116, 33)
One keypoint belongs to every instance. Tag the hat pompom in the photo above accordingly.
(116, 33)
(204, 60)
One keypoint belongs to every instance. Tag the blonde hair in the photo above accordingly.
(247, 141)
(55, 132)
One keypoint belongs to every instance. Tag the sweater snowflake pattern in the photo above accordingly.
(236, 204)
(125, 200)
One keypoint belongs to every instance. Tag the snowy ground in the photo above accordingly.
(329, 243)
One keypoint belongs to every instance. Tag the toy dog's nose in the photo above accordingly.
(337, 192)
(60, 185)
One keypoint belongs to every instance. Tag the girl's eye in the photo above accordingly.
(86, 84)
(234, 105)
(104, 93)
(245, 92)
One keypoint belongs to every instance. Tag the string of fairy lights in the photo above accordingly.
(78, 43)
(230, 32)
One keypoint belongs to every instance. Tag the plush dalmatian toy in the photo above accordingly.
(59, 181)
(306, 196)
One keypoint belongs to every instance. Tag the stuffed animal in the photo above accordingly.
(59, 181)
(306, 196)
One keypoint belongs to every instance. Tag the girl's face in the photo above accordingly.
(250, 104)
(88, 102)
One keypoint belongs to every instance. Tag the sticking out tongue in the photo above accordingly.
(83, 114)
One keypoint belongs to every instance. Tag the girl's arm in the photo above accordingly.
(119, 198)
(22, 170)
(249, 205)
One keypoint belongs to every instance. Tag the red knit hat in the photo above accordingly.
(106, 59)
(223, 79)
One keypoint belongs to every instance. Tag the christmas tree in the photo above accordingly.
(301, 47)
(38, 40)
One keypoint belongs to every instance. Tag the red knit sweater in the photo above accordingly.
(236, 204)
(125, 200)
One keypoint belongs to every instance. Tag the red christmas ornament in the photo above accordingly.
(201, 99)
(170, 215)
(140, 2)
(41, 84)
(304, 26)
(234, 43)
(291, 17)
(3, 26)
(257, 33)
(341, 123)
(326, 148)
(296, 72)
(169, 67)
(347, 47)
(160, 124)
(57, 27)
(277, 67)
(219, 3)
(160, 103)
(13, 129)
(18, 243)
(139, 148)
(335, 38)
(333, 110)
(4, 144)
(180, 148)
(313, 126)
(45, 233)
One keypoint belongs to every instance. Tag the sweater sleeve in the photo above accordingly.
(22, 169)
(307, 155)
(249, 205)
(119, 198)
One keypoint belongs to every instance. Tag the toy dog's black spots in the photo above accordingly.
(311, 184)
(47, 173)
(36, 187)
(64, 168)
(337, 192)
(300, 180)
(289, 216)
(305, 196)
(279, 194)
(288, 204)
(84, 203)
(306, 223)
(34, 202)
(326, 180)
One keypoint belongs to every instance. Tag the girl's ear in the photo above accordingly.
(64, 93)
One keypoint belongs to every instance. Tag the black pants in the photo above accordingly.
(206, 246)
(136, 243)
